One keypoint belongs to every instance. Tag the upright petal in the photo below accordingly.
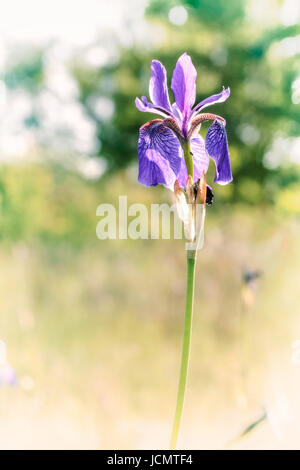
(184, 84)
(200, 159)
(214, 99)
(158, 90)
(144, 105)
(160, 155)
(217, 147)
(177, 113)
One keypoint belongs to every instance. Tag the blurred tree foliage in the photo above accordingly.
(39, 202)
(227, 48)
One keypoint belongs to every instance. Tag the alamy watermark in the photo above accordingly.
(162, 221)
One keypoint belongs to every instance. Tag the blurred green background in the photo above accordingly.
(93, 328)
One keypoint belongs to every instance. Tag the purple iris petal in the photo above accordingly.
(200, 159)
(217, 147)
(177, 113)
(158, 90)
(146, 107)
(160, 155)
(214, 99)
(184, 84)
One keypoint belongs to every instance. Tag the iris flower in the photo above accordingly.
(170, 149)
(172, 153)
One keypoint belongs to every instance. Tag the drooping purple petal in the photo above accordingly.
(144, 105)
(158, 90)
(200, 159)
(184, 84)
(160, 155)
(217, 147)
(214, 99)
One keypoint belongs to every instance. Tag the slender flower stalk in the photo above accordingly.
(186, 346)
(172, 153)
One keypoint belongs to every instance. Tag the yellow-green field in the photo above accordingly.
(94, 328)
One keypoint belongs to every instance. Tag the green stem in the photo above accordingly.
(191, 260)
(188, 157)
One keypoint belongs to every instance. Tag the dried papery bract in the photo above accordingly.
(191, 197)
(200, 212)
(181, 203)
(201, 190)
(196, 194)
(185, 211)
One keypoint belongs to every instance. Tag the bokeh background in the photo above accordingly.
(93, 328)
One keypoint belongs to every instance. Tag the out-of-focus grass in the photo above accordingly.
(94, 331)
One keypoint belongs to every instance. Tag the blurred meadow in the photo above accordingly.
(93, 328)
